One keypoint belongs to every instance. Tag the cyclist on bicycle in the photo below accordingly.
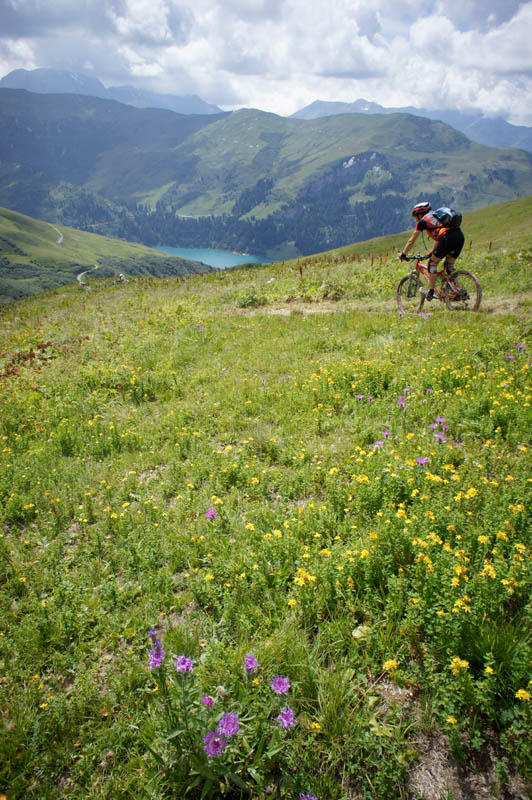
(449, 241)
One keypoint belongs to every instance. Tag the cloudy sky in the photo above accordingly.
(280, 55)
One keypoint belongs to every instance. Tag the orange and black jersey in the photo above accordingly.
(432, 225)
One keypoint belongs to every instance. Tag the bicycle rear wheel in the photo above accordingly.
(408, 297)
(468, 292)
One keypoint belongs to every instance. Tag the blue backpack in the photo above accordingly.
(448, 217)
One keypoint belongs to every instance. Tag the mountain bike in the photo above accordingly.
(459, 290)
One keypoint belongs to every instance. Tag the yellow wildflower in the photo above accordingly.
(458, 664)
(390, 665)
(302, 577)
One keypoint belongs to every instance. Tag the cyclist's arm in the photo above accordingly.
(408, 246)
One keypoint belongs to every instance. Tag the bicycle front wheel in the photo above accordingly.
(408, 297)
(467, 295)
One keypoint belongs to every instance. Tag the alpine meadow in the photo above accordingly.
(263, 537)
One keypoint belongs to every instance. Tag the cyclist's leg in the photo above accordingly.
(454, 242)
(449, 264)
(434, 260)
(433, 269)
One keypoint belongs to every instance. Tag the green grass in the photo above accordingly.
(384, 572)
(505, 226)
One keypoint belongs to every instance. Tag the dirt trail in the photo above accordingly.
(79, 276)
(60, 237)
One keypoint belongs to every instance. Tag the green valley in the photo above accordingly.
(247, 180)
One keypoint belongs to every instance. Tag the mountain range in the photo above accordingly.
(56, 81)
(492, 131)
(247, 180)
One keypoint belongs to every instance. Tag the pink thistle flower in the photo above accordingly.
(228, 725)
(286, 718)
(250, 663)
(280, 685)
(183, 664)
(214, 744)
(207, 700)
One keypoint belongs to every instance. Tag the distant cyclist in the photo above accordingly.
(442, 225)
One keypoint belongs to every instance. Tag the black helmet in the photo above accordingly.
(420, 209)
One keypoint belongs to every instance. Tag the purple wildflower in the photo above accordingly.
(439, 436)
(370, 398)
(307, 796)
(510, 358)
(440, 419)
(251, 663)
(280, 685)
(183, 664)
(386, 433)
(211, 513)
(421, 460)
(207, 700)
(378, 443)
(520, 347)
(214, 744)
(433, 425)
(286, 718)
(401, 400)
(428, 390)
(156, 655)
(228, 725)
(199, 326)
(359, 396)
(406, 389)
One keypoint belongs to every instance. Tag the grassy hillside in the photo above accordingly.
(505, 226)
(35, 256)
(247, 550)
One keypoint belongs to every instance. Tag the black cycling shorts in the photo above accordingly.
(450, 244)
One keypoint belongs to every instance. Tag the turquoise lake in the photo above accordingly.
(215, 258)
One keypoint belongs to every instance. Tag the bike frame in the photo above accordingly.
(452, 291)
(445, 278)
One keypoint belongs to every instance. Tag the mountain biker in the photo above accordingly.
(449, 242)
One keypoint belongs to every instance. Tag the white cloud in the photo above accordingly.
(279, 55)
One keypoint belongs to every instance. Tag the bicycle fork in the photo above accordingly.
(413, 288)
